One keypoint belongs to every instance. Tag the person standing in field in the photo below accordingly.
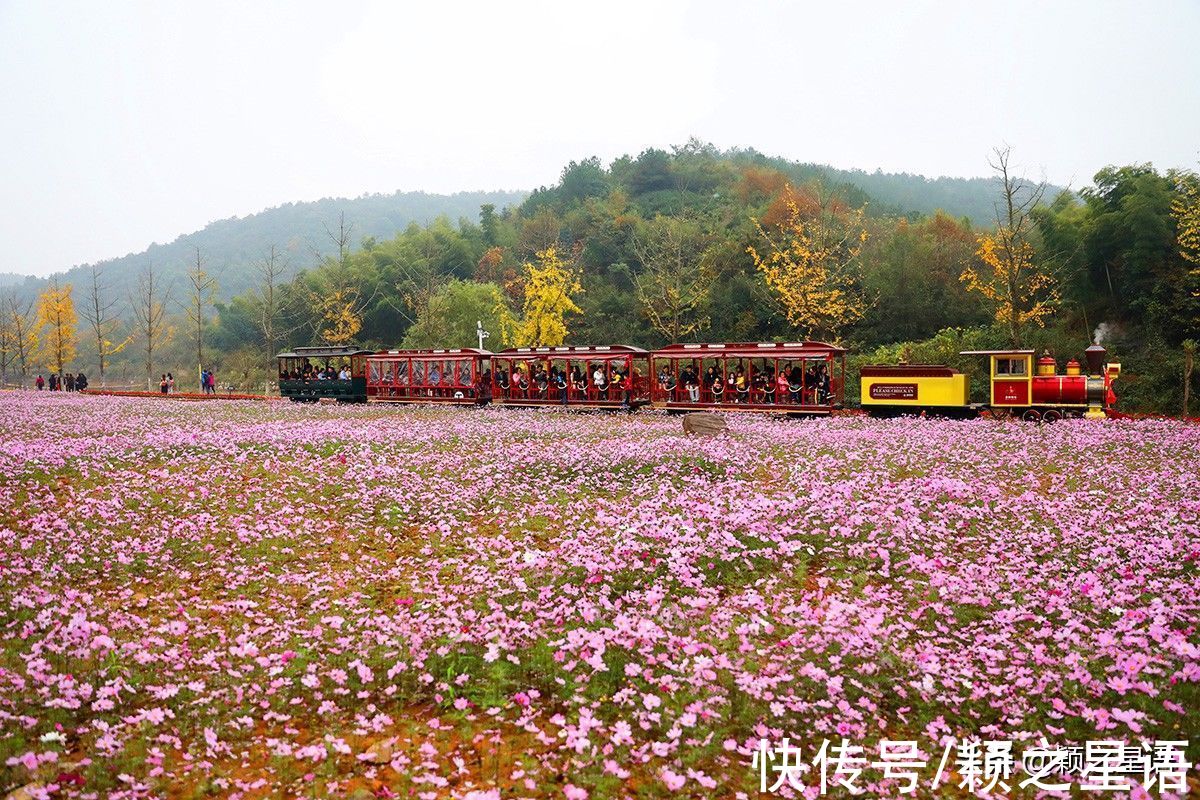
(170, 383)
(212, 382)
(70, 381)
(162, 384)
(40, 383)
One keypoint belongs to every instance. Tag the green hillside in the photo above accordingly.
(229, 247)
(685, 245)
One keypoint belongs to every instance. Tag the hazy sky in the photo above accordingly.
(124, 123)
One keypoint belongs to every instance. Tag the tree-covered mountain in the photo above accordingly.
(972, 198)
(686, 244)
(230, 247)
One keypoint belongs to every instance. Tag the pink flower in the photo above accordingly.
(573, 792)
(521, 699)
(482, 794)
(674, 781)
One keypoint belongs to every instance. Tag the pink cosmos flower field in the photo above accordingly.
(265, 600)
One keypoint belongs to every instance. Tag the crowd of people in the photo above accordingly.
(792, 384)
(310, 372)
(535, 381)
(688, 382)
(64, 383)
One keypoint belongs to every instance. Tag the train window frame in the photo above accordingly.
(465, 373)
(1011, 367)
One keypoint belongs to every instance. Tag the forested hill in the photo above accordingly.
(230, 246)
(973, 198)
(899, 193)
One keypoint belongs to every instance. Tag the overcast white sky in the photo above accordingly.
(124, 123)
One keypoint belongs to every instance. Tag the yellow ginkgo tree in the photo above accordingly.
(810, 263)
(56, 318)
(1008, 277)
(339, 315)
(1018, 288)
(551, 284)
(1186, 210)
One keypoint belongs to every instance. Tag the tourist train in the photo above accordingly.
(793, 378)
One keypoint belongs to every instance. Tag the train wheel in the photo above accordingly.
(1052, 416)
(1032, 415)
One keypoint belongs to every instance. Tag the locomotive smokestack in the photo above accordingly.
(1095, 356)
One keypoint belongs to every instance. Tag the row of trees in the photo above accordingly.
(45, 335)
(697, 244)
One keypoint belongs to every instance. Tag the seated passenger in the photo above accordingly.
(796, 384)
(716, 385)
(667, 384)
(692, 383)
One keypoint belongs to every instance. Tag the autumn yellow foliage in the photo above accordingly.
(1186, 210)
(57, 319)
(1007, 276)
(339, 314)
(810, 264)
(550, 286)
